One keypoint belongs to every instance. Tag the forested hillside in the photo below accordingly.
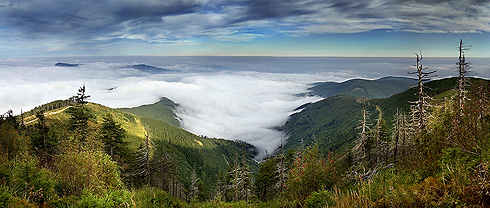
(332, 123)
(86, 154)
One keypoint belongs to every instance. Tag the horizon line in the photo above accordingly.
(233, 56)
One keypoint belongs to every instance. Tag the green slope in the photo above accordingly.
(402, 100)
(208, 156)
(161, 110)
(331, 123)
(380, 88)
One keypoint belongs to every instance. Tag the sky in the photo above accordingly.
(351, 28)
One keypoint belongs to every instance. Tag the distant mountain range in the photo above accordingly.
(141, 67)
(380, 88)
(60, 64)
(147, 68)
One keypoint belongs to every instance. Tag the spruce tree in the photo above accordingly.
(113, 137)
(80, 115)
(42, 130)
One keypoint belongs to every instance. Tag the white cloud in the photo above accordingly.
(231, 103)
(234, 105)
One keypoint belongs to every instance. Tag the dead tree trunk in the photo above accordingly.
(397, 134)
(359, 151)
(463, 67)
(422, 104)
(363, 129)
(281, 171)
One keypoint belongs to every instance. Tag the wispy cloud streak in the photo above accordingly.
(83, 24)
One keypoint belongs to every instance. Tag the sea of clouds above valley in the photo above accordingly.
(239, 101)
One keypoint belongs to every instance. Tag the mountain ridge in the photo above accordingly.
(379, 88)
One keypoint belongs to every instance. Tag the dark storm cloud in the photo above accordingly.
(274, 9)
(74, 16)
(153, 10)
(471, 2)
(91, 22)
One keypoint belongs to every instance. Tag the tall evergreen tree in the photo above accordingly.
(8, 117)
(42, 130)
(266, 179)
(113, 137)
(80, 115)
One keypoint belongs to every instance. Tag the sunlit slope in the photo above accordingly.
(208, 156)
(161, 110)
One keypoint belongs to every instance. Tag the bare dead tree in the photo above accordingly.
(382, 139)
(401, 134)
(22, 123)
(193, 187)
(281, 171)
(364, 127)
(397, 134)
(463, 67)
(241, 182)
(143, 160)
(359, 151)
(421, 105)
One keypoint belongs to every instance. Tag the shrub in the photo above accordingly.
(320, 199)
(155, 197)
(29, 182)
(64, 202)
(89, 170)
(5, 196)
(109, 199)
(311, 172)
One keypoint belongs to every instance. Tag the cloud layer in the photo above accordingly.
(231, 104)
(233, 98)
